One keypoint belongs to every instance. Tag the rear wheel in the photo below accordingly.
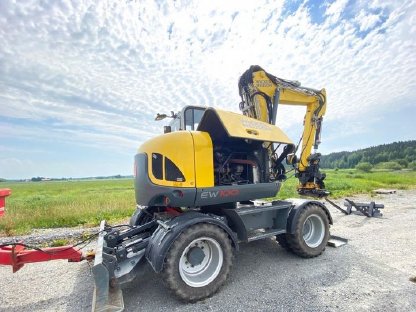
(198, 262)
(311, 232)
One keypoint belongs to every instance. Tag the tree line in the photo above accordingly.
(396, 155)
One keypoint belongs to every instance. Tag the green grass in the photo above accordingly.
(347, 182)
(65, 204)
(86, 203)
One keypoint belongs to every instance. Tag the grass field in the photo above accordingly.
(72, 203)
(349, 181)
(65, 204)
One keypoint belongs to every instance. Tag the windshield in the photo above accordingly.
(193, 116)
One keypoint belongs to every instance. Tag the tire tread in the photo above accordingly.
(295, 241)
(170, 271)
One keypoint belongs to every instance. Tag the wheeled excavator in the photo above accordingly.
(200, 190)
(199, 187)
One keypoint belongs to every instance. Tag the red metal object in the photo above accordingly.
(18, 255)
(173, 211)
(3, 194)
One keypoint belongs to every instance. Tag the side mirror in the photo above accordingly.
(291, 159)
(167, 129)
(160, 116)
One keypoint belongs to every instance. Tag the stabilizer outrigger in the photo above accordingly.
(118, 258)
(107, 293)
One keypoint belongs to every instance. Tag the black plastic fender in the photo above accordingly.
(298, 204)
(165, 235)
(135, 216)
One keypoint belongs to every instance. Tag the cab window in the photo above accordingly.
(193, 117)
(197, 117)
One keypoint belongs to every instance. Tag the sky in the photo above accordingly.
(81, 81)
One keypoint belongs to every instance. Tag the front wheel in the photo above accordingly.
(311, 232)
(198, 262)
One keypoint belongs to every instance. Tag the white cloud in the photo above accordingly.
(367, 20)
(98, 72)
(335, 9)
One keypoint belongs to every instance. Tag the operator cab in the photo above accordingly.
(187, 119)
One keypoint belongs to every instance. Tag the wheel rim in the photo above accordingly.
(313, 231)
(201, 262)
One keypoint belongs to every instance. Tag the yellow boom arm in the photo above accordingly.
(261, 94)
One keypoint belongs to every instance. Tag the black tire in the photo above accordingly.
(315, 242)
(282, 240)
(174, 267)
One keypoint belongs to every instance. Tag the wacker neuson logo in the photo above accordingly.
(255, 124)
(263, 84)
(222, 193)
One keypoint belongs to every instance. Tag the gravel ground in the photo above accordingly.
(371, 273)
(45, 236)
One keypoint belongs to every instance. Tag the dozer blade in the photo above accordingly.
(108, 296)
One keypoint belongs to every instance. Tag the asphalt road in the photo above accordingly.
(371, 273)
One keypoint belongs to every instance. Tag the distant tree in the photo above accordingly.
(412, 165)
(354, 159)
(403, 163)
(36, 179)
(364, 166)
(399, 152)
(381, 158)
(389, 165)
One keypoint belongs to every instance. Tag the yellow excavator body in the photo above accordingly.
(185, 158)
